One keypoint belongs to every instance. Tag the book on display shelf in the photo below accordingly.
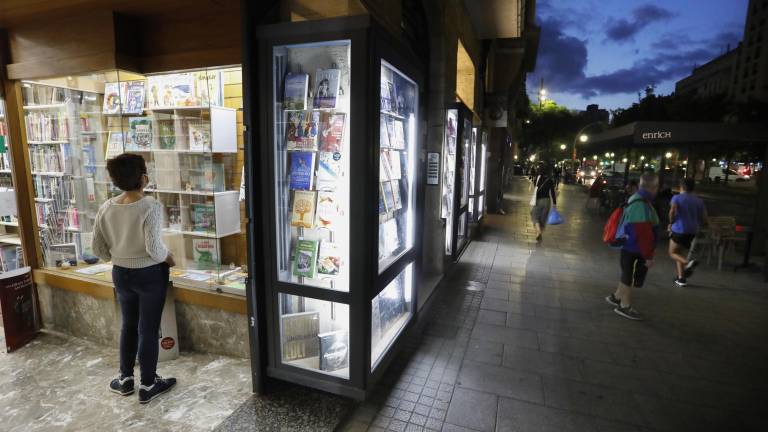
(208, 87)
(385, 167)
(328, 211)
(171, 90)
(396, 195)
(326, 87)
(389, 197)
(386, 102)
(199, 136)
(205, 253)
(328, 260)
(295, 97)
(334, 350)
(139, 133)
(395, 164)
(332, 131)
(134, 97)
(302, 170)
(112, 93)
(9, 258)
(392, 96)
(166, 134)
(328, 170)
(382, 205)
(303, 210)
(383, 133)
(114, 145)
(305, 259)
(301, 130)
(299, 335)
(391, 239)
(173, 217)
(399, 141)
(202, 217)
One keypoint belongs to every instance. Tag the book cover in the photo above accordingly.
(295, 97)
(399, 141)
(111, 98)
(328, 211)
(332, 132)
(301, 130)
(302, 170)
(171, 90)
(214, 177)
(328, 260)
(114, 145)
(328, 171)
(303, 210)
(199, 136)
(140, 132)
(299, 335)
(386, 102)
(334, 350)
(203, 217)
(9, 259)
(305, 259)
(396, 194)
(385, 170)
(326, 87)
(173, 216)
(392, 96)
(208, 87)
(166, 135)
(134, 97)
(382, 206)
(391, 239)
(395, 164)
(204, 253)
(383, 133)
(389, 198)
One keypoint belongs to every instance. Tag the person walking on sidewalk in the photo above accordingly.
(128, 231)
(639, 224)
(545, 200)
(686, 215)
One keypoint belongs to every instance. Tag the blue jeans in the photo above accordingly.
(141, 294)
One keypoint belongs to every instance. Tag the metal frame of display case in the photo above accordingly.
(459, 244)
(370, 45)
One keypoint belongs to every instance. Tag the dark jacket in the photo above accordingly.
(545, 188)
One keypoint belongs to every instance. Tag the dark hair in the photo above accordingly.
(688, 184)
(126, 170)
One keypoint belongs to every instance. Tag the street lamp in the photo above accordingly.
(642, 158)
(607, 154)
(613, 154)
(532, 158)
(594, 157)
(583, 138)
(668, 155)
(562, 146)
(624, 160)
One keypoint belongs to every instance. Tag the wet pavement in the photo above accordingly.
(521, 339)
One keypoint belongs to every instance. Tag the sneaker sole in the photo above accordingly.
(607, 300)
(630, 317)
(681, 284)
(121, 393)
(155, 396)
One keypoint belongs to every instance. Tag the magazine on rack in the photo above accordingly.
(391, 239)
(395, 164)
(199, 136)
(139, 133)
(302, 170)
(326, 87)
(328, 261)
(171, 90)
(332, 132)
(299, 335)
(328, 211)
(396, 194)
(399, 141)
(205, 253)
(134, 99)
(303, 211)
(389, 197)
(296, 85)
(334, 350)
(301, 130)
(114, 145)
(305, 259)
(112, 93)
(385, 168)
(328, 171)
(386, 102)
(383, 133)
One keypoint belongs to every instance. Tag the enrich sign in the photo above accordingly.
(657, 135)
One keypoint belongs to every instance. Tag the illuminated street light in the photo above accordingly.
(624, 160)
(714, 160)
(584, 138)
(543, 92)
(594, 157)
(613, 154)
(562, 146)
(515, 157)
(528, 121)
(642, 157)
(607, 155)
(668, 155)
(685, 162)
(532, 158)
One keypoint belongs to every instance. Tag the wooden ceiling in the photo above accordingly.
(20, 12)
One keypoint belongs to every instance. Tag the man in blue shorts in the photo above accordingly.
(686, 215)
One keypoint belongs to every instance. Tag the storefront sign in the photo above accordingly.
(657, 135)
(433, 168)
(17, 300)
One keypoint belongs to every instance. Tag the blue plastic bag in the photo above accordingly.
(554, 217)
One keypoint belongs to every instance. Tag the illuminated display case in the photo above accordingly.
(456, 176)
(186, 125)
(478, 152)
(11, 253)
(340, 175)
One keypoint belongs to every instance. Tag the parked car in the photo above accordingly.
(717, 174)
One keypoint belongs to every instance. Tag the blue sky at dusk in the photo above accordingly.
(605, 52)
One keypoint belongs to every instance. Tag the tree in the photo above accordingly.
(547, 128)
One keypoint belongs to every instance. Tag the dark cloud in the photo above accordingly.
(562, 61)
(682, 40)
(623, 30)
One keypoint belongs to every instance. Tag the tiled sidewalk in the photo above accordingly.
(521, 339)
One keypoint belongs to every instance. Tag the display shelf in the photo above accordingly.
(206, 234)
(12, 224)
(48, 142)
(48, 173)
(186, 192)
(45, 106)
(10, 239)
(6, 171)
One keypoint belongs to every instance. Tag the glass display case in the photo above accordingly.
(186, 125)
(11, 253)
(340, 173)
(479, 147)
(456, 174)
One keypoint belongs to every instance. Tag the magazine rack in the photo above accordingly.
(478, 151)
(457, 144)
(341, 175)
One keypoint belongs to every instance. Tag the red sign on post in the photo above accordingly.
(18, 303)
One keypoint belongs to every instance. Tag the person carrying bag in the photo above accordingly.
(542, 200)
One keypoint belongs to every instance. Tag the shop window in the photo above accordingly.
(314, 334)
(188, 128)
(390, 311)
(11, 253)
